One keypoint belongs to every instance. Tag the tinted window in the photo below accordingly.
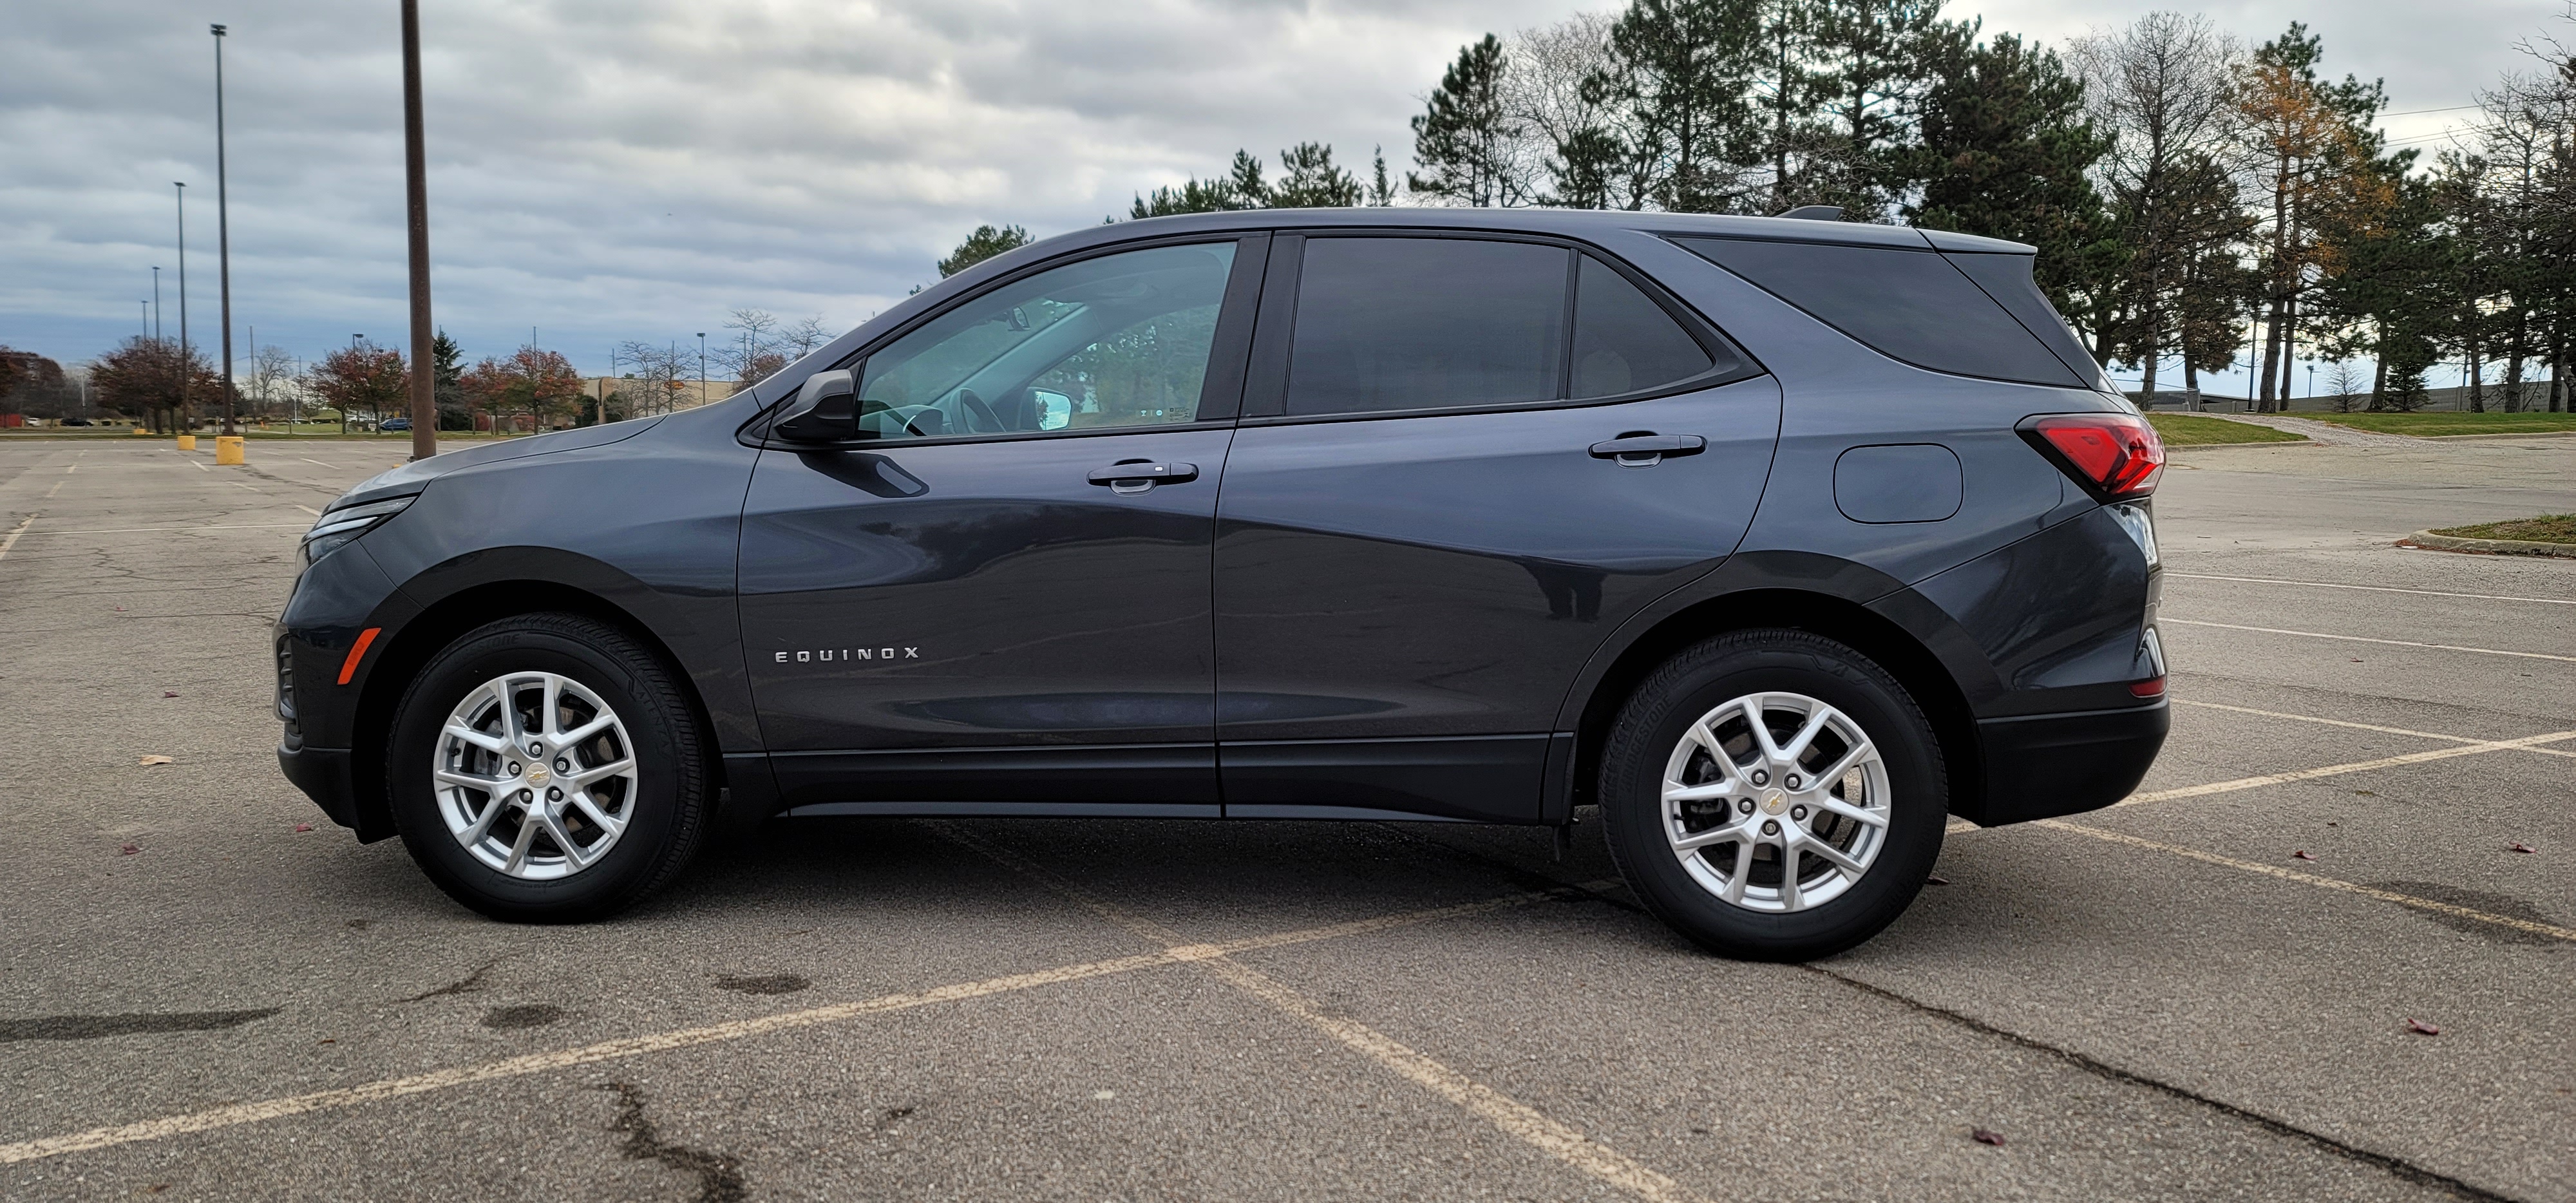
(1910, 305)
(2007, 279)
(1417, 323)
(1624, 341)
(1121, 340)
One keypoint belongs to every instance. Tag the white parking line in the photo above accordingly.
(199, 466)
(2444, 647)
(2336, 722)
(2526, 743)
(386, 1089)
(2550, 930)
(58, 487)
(2265, 580)
(12, 540)
(1516, 1119)
(310, 460)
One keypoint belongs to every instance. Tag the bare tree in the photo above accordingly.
(2164, 87)
(659, 372)
(800, 340)
(272, 374)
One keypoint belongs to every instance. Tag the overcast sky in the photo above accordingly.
(604, 170)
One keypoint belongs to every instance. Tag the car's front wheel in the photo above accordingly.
(546, 768)
(1774, 795)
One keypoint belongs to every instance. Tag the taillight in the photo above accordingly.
(2116, 457)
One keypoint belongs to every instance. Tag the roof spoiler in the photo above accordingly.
(1814, 213)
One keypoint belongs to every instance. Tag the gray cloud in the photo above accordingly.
(632, 169)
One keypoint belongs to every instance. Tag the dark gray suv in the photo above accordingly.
(1779, 541)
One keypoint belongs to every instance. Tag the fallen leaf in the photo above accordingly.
(2301, 854)
(2519, 846)
(128, 850)
(1936, 881)
(330, 1040)
(303, 827)
(152, 760)
(2421, 1028)
(1983, 1137)
(167, 694)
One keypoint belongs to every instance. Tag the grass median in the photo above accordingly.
(2193, 430)
(2434, 425)
(2547, 528)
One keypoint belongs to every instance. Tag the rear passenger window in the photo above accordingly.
(1423, 323)
(1623, 341)
(1909, 305)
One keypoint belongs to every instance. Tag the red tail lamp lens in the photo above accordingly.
(2118, 455)
(2152, 687)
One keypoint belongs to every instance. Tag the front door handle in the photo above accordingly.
(1647, 449)
(1136, 476)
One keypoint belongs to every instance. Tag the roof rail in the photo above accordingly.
(1814, 213)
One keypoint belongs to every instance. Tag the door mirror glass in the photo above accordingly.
(1118, 340)
(1055, 410)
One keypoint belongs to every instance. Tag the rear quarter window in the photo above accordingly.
(1909, 305)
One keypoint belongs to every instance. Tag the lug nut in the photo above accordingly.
(1746, 806)
(1770, 826)
(1792, 781)
(554, 795)
(527, 796)
(1798, 812)
(514, 768)
(563, 766)
(1761, 778)
(536, 749)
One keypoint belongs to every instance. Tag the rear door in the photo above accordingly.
(999, 595)
(1464, 461)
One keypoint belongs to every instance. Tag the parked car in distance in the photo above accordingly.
(391, 425)
(1781, 542)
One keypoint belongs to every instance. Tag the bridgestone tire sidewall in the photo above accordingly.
(1712, 673)
(669, 802)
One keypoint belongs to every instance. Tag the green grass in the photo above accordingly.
(2430, 425)
(2191, 430)
(2547, 528)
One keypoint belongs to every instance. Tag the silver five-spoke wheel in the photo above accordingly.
(535, 775)
(1775, 802)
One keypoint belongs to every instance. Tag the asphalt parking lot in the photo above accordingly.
(2203, 993)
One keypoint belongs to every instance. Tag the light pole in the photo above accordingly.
(143, 317)
(156, 304)
(186, 363)
(424, 355)
(223, 235)
(702, 367)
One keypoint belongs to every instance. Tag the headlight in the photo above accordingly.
(341, 525)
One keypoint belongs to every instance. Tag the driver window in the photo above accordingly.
(1120, 340)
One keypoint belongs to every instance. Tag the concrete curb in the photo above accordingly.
(2515, 434)
(2498, 547)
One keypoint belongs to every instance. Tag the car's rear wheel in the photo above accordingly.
(546, 768)
(1774, 795)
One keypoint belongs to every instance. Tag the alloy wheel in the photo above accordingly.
(535, 775)
(1775, 802)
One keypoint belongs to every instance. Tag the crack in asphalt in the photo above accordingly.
(2396, 1166)
(719, 1174)
(468, 984)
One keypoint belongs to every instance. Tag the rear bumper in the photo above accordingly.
(2042, 766)
(323, 775)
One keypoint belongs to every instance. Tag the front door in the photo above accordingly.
(998, 595)
(1471, 461)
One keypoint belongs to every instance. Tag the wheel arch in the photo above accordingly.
(1822, 605)
(441, 623)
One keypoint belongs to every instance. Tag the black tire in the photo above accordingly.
(667, 816)
(1662, 711)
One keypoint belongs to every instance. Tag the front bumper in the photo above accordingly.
(2045, 765)
(323, 775)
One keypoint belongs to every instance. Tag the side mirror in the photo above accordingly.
(823, 411)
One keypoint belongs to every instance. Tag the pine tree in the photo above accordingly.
(446, 368)
(1309, 180)
(1240, 188)
(1462, 139)
(1866, 73)
(1684, 76)
(986, 242)
(2005, 150)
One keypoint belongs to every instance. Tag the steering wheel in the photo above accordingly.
(977, 411)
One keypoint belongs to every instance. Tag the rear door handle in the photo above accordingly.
(1136, 476)
(1648, 450)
